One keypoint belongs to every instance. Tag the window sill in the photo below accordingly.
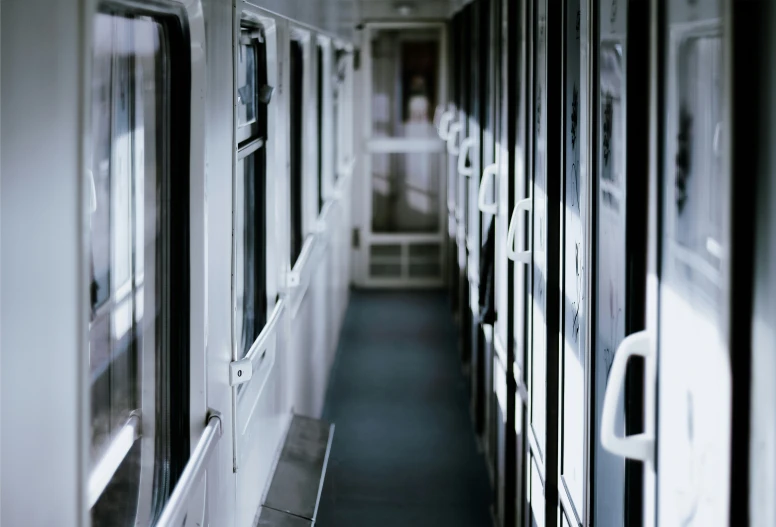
(110, 461)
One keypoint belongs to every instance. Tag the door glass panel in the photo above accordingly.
(694, 403)
(574, 324)
(538, 385)
(403, 148)
(405, 82)
(405, 192)
(698, 203)
(610, 289)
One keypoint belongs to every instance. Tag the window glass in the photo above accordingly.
(246, 80)
(250, 229)
(123, 175)
(135, 214)
(405, 80)
(252, 90)
(320, 127)
(405, 192)
(296, 111)
(337, 78)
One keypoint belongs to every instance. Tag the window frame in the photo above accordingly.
(242, 151)
(306, 157)
(180, 144)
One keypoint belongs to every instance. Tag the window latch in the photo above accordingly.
(265, 93)
(240, 371)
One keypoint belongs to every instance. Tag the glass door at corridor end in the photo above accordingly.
(401, 231)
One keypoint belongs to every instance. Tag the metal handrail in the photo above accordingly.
(173, 512)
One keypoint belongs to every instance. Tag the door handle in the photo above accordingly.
(524, 205)
(466, 145)
(444, 124)
(453, 131)
(438, 111)
(637, 446)
(490, 173)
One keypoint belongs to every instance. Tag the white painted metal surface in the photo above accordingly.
(40, 299)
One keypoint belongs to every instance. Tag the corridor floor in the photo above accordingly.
(404, 452)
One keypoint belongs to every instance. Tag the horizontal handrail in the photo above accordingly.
(323, 218)
(294, 277)
(173, 512)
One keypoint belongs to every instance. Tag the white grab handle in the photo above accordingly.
(451, 135)
(437, 114)
(466, 145)
(444, 124)
(490, 172)
(637, 446)
(524, 205)
(92, 191)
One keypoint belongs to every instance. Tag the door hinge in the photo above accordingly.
(356, 242)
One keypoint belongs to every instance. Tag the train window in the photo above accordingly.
(296, 114)
(337, 80)
(250, 225)
(321, 131)
(138, 211)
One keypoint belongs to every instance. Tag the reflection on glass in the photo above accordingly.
(122, 188)
(698, 199)
(405, 192)
(611, 225)
(405, 71)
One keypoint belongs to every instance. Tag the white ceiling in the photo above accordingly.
(342, 16)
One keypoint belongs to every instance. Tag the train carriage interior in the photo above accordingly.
(391, 263)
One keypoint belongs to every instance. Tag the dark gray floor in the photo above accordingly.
(404, 452)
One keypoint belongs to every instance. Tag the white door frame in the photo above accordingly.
(398, 145)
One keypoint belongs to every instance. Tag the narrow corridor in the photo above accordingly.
(404, 452)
